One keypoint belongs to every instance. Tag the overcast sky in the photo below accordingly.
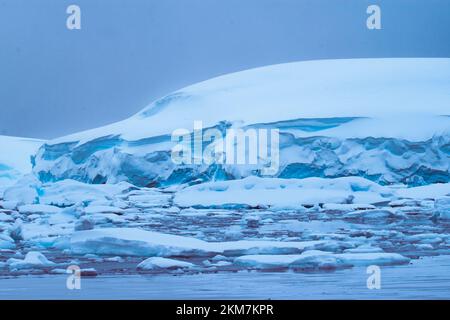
(55, 81)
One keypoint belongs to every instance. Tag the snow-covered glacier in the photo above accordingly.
(386, 120)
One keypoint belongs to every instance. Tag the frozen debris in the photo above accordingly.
(315, 259)
(157, 263)
(138, 242)
(32, 260)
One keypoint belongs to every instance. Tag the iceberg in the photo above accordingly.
(282, 193)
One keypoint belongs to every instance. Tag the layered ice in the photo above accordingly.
(383, 119)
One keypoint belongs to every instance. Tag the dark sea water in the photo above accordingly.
(425, 278)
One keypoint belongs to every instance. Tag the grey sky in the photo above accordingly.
(129, 52)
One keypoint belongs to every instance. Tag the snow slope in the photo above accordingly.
(15, 158)
(382, 119)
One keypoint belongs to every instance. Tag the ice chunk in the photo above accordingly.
(156, 263)
(24, 191)
(32, 260)
(38, 209)
(355, 124)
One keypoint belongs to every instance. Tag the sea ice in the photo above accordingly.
(32, 260)
(156, 263)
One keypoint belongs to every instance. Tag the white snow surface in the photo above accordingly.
(398, 91)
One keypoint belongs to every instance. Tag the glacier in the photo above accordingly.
(386, 120)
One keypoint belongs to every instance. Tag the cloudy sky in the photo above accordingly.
(55, 81)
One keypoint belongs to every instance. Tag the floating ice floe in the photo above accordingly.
(315, 259)
(158, 263)
(32, 260)
(282, 193)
